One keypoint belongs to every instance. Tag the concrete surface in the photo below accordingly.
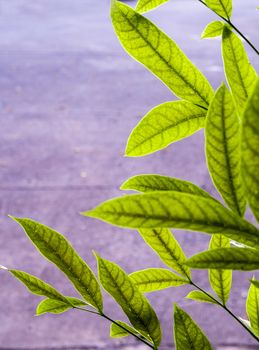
(69, 98)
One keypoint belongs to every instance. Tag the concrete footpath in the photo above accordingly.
(69, 98)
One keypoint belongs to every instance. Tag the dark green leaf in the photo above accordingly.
(140, 313)
(155, 50)
(53, 246)
(176, 210)
(244, 259)
(250, 150)
(223, 141)
(187, 334)
(255, 283)
(213, 30)
(153, 279)
(54, 306)
(239, 72)
(147, 5)
(197, 295)
(163, 125)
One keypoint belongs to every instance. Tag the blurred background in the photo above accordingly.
(69, 98)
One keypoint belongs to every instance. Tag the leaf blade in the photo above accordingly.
(197, 295)
(163, 125)
(54, 247)
(154, 279)
(252, 308)
(137, 308)
(187, 334)
(55, 306)
(147, 5)
(249, 151)
(155, 50)
(213, 30)
(221, 7)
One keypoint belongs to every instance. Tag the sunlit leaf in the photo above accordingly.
(163, 242)
(54, 306)
(255, 283)
(244, 259)
(213, 30)
(153, 182)
(163, 125)
(239, 71)
(223, 146)
(187, 334)
(118, 332)
(220, 280)
(221, 7)
(147, 5)
(153, 279)
(197, 295)
(176, 210)
(252, 308)
(154, 49)
(140, 313)
(53, 246)
(250, 150)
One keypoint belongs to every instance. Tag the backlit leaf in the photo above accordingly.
(140, 313)
(153, 279)
(239, 71)
(187, 334)
(54, 306)
(244, 259)
(213, 30)
(250, 150)
(53, 246)
(153, 182)
(221, 7)
(252, 308)
(220, 280)
(154, 49)
(163, 125)
(176, 210)
(147, 5)
(163, 242)
(223, 146)
(255, 283)
(197, 295)
(118, 332)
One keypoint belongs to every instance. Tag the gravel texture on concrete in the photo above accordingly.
(69, 99)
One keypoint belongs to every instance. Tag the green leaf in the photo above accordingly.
(239, 71)
(118, 332)
(255, 283)
(250, 150)
(220, 280)
(213, 30)
(163, 242)
(153, 279)
(163, 125)
(222, 7)
(154, 49)
(197, 295)
(153, 182)
(53, 246)
(223, 149)
(176, 210)
(37, 286)
(187, 334)
(54, 306)
(147, 5)
(252, 308)
(244, 259)
(140, 313)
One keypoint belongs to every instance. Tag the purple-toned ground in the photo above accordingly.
(69, 99)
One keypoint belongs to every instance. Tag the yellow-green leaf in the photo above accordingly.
(252, 308)
(250, 150)
(213, 30)
(240, 74)
(154, 49)
(53, 246)
(137, 308)
(223, 149)
(163, 125)
(197, 295)
(220, 280)
(118, 332)
(153, 279)
(221, 7)
(187, 334)
(147, 5)
(55, 306)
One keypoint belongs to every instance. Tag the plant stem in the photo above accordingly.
(117, 324)
(227, 20)
(227, 310)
